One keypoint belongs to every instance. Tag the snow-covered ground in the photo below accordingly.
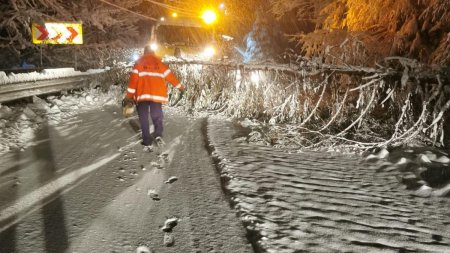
(325, 202)
(18, 122)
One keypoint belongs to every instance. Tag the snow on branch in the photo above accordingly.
(360, 107)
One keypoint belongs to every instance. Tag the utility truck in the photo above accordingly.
(188, 38)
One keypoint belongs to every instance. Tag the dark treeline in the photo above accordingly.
(357, 32)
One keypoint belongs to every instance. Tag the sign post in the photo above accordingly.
(40, 56)
(76, 58)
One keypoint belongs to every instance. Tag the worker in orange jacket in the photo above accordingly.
(147, 88)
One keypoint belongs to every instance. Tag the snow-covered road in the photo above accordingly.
(325, 202)
(85, 185)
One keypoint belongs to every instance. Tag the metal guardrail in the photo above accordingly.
(10, 92)
(21, 70)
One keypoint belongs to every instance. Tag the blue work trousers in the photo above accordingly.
(153, 109)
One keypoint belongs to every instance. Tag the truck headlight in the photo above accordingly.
(209, 52)
(154, 46)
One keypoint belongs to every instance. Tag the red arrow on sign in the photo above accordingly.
(73, 34)
(44, 32)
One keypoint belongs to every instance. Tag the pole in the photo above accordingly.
(75, 56)
(40, 56)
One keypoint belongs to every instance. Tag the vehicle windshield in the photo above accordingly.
(183, 36)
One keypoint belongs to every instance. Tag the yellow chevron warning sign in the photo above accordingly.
(57, 33)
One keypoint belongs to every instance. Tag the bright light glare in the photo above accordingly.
(163, 19)
(154, 46)
(222, 6)
(209, 52)
(254, 77)
(209, 17)
(174, 14)
(135, 57)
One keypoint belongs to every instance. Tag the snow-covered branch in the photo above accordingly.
(335, 103)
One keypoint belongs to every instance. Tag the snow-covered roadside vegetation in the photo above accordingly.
(317, 106)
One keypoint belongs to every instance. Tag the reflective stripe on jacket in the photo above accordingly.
(148, 80)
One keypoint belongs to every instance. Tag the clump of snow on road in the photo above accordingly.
(143, 249)
(19, 121)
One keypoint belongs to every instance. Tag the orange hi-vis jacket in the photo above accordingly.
(148, 80)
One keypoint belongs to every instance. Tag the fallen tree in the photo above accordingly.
(398, 102)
